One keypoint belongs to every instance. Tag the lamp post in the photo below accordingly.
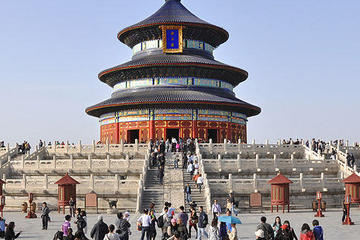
(347, 204)
(319, 212)
(2, 205)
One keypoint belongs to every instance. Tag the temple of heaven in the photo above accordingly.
(173, 86)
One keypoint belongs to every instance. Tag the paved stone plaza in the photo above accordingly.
(331, 223)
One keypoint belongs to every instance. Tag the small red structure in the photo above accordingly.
(66, 190)
(352, 187)
(319, 198)
(280, 192)
(347, 203)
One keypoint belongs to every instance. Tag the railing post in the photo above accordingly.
(67, 147)
(210, 145)
(275, 162)
(79, 147)
(8, 148)
(301, 181)
(107, 146)
(116, 185)
(127, 159)
(22, 161)
(136, 146)
(239, 163)
(93, 146)
(121, 146)
(54, 161)
(90, 161)
(38, 162)
(292, 159)
(230, 183)
(91, 182)
(225, 145)
(255, 182)
(71, 161)
(108, 161)
(257, 161)
(46, 182)
(24, 181)
(322, 179)
(219, 163)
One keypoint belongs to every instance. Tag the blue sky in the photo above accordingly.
(303, 59)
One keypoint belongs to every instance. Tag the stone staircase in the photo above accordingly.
(195, 193)
(153, 191)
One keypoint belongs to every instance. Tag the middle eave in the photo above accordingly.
(171, 65)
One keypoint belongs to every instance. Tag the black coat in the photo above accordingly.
(99, 230)
(10, 234)
(203, 220)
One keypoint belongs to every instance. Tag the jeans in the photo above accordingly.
(188, 197)
(199, 186)
(145, 230)
(45, 220)
(196, 230)
(202, 231)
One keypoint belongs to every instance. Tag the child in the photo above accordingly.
(318, 231)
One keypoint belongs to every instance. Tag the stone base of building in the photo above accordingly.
(146, 130)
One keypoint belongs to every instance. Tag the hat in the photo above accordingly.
(173, 220)
(259, 233)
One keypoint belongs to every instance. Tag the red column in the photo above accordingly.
(117, 140)
(194, 129)
(152, 129)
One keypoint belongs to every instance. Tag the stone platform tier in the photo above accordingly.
(113, 171)
(246, 168)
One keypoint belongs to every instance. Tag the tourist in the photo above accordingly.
(190, 169)
(122, 226)
(99, 230)
(228, 225)
(59, 235)
(216, 209)
(183, 216)
(260, 235)
(318, 231)
(127, 218)
(10, 233)
(144, 222)
(176, 163)
(164, 222)
(306, 233)
(214, 231)
(267, 228)
(287, 230)
(200, 182)
(223, 231)
(111, 235)
(83, 215)
(233, 233)
(152, 224)
(81, 224)
(2, 227)
(45, 216)
(182, 230)
(70, 235)
(233, 203)
(172, 229)
(344, 211)
(277, 224)
(161, 175)
(193, 222)
(66, 225)
(72, 205)
(203, 222)
(187, 191)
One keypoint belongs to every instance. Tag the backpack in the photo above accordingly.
(206, 220)
(160, 221)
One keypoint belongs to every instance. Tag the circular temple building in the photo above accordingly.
(173, 86)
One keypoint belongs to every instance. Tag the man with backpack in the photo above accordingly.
(203, 222)
(163, 222)
(267, 228)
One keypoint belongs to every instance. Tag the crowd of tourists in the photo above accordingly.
(23, 148)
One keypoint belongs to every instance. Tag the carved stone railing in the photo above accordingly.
(207, 191)
(45, 183)
(140, 191)
(97, 148)
(255, 184)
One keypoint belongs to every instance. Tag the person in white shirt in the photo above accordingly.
(200, 181)
(144, 222)
(112, 235)
(216, 209)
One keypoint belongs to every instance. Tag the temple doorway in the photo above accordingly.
(172, 133)
(212, 134)
(132, 135)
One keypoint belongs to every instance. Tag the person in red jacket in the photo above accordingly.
(306, 233)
